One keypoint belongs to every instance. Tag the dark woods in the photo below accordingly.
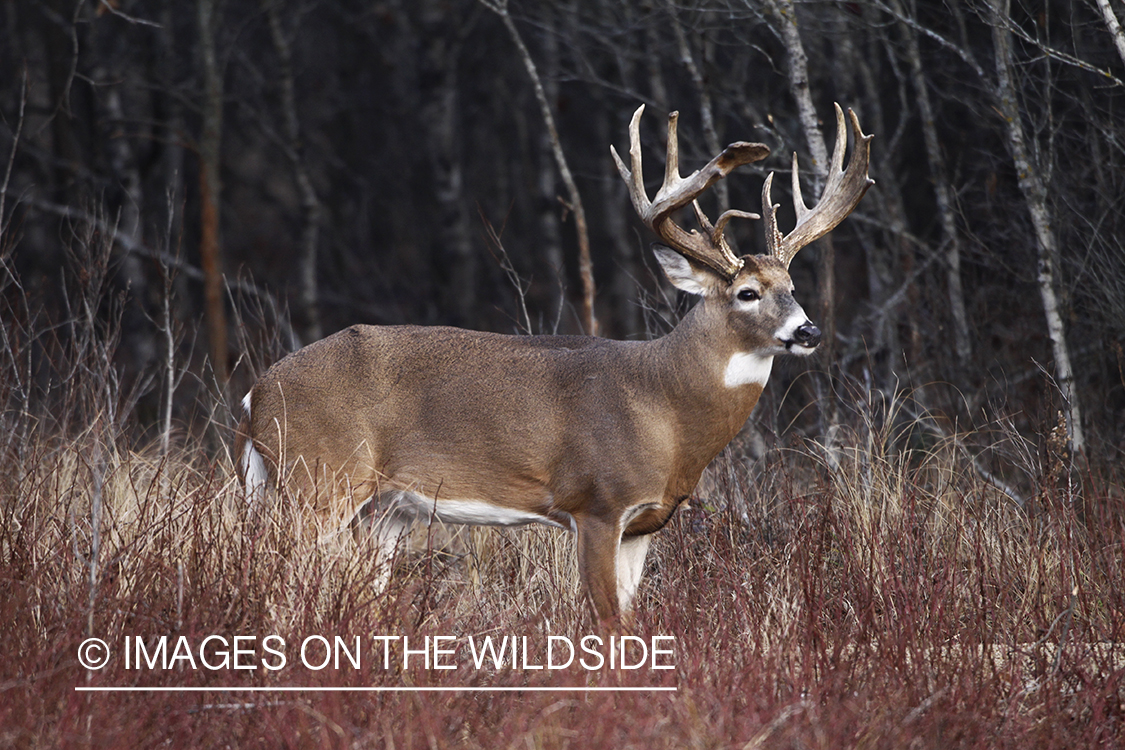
(249, 176)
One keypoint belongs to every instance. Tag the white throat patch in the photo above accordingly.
(746, 368)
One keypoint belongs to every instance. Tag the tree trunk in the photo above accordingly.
(309, 309)
(618, 209)
(889, 255)
(706, 110)
(652, 46)
(169, 114)
(210, 190)
(1114, 26)
(942, 192)
(546, 176)
(585, 267)
(61, 47)
(444, 38)
(786, 15)
(136, 332)
(1035, 193)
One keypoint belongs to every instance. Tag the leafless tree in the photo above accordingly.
(210, 188)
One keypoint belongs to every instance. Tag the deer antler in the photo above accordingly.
(842, 193)
(710, 248)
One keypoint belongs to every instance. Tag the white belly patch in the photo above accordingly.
(471, 512)
(746, 368)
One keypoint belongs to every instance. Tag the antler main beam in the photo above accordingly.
(842, 193)
(709, 248)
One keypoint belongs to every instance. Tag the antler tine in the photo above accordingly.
(704, 222)
(672, 160)
(715, 231)
(710, 248)
(773, 236)
(799, 206)
(726, 216)
(841, 140)
(635, 178)
(842, 192)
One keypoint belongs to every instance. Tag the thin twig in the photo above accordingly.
(15, 148)
(106, 7)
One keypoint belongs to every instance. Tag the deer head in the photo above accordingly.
(755, 291)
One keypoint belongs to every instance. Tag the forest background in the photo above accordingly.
(334, 163)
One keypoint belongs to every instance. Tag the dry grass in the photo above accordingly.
(893, 599)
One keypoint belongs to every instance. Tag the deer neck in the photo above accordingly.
(714, 379)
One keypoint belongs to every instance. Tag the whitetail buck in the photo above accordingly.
(605, 438)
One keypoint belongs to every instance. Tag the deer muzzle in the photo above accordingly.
(807, 335)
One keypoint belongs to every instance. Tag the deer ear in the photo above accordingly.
(686, 276)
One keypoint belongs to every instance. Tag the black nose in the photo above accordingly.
(807, 335)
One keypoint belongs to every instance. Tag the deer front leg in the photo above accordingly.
(630, 566)
(598, 540)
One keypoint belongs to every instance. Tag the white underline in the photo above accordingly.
(435, 689)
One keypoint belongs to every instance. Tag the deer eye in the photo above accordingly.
(748, 295)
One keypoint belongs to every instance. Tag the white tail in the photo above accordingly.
(252, 466)
(605, 438)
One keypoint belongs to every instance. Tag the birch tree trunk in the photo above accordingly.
(798, 64)
(1035, 193)
(547, 207)
(60, 40)
(136, 333)
(1114, 26)
(615, 197)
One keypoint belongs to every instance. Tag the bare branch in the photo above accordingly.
(15, 148)
(105, 6)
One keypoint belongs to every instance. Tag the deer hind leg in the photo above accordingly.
(630, 567)
(386, 523)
